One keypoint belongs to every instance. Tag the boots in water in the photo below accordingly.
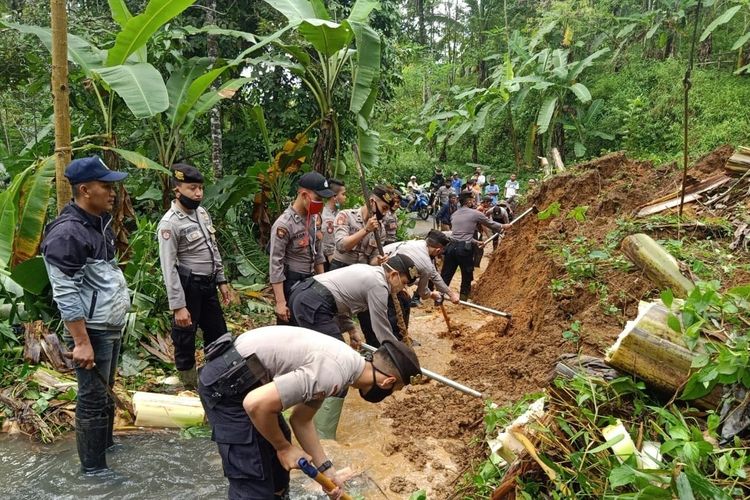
(326, 419)
(91, 438)
(189, 378)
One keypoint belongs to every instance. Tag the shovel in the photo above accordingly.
(526, 212)
(319, 477)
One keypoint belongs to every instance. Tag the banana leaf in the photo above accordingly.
(9, 215)
(32, 211)
(139, 85)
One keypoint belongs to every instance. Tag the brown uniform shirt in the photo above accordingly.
(390, 225)
(294, 247)
(329, 220)
(347, 223)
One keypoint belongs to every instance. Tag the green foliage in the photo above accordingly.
(553, 210)
(573, 333)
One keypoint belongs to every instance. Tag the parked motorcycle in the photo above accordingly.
(421, 204)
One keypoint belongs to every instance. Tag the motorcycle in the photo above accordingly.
(421, 204)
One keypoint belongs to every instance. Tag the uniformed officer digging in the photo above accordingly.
(297, 243)
(328, 217)
(460, 252)
(246, 384)
(353, 232)
(423, 253)
(326, 304)
(192, 269)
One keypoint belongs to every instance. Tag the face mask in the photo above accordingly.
(315, 207)
(376, 210)
(189, 203)
(376, 394)
(337, 205)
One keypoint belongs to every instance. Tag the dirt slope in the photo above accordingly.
(506, 361)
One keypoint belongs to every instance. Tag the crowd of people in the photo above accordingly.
(327, 266)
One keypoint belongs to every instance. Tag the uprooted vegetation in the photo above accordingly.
(570, 289)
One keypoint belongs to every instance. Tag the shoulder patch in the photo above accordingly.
(341, 218)
(281, 232)
(166, 234)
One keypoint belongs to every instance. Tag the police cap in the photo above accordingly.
(404, 265)
(182, 172)
(403, 357)
(383, 193)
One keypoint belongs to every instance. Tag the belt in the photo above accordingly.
(322, 292)
(203, 278)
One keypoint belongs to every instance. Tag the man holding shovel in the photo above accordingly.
(92, 296)
(248, 382)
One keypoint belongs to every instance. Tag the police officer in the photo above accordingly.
(423, 253)
(330, 212)
(460, 252)
(296, 243)
(92, 296)
(192, 269)
(355, 242)
(390, 221)
(327, 302)
(246, 384)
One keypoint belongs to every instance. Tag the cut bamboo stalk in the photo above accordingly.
(165, 410)
(660, 267)
(650, 350)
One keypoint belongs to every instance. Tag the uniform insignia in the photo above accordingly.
(341, 219)
(179, 175)
(166, 234)
(281, 232)
(329, 227)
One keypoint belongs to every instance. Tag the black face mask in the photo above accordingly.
(376, 210)
(376, 394)
(189, 203)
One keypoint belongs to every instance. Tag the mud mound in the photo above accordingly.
(507, 361)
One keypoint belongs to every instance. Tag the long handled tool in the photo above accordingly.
(485, 309)
(526, 212)
(441, 303)
(438, 378)
(110, 392)
(319, 477)
(366, 193)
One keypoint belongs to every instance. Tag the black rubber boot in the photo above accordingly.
(110, 426)
(91, 438)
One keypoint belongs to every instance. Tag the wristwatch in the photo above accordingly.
(325, 466)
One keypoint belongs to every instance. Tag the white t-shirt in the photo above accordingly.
(481, 179)
(511, 188)
(412, 186)
(305, 365)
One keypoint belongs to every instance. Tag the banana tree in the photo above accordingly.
(329, 48)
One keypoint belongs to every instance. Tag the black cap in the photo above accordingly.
(405, 265)
(317, 183)
(403, 357)
(383, 193)
(437, 238)
(91, 169)
(183, 172)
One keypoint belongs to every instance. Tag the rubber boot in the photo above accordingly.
(189, 378)
(326, 419)
(91, 439)
(110, 425)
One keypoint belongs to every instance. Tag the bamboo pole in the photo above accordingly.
(60, 91)
(165, 410)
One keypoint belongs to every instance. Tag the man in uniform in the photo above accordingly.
(327, 302)
(192, 269)
(296, 245)
(460, 253)
(92, 296)
(246, 384)
(355, 241)
(330, 211)
(390, 221)
(423, 253)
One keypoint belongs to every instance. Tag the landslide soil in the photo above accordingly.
(507, 360)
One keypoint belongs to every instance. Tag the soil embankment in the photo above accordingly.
(507, 361)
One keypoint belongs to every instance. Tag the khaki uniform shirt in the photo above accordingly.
(390, 225)
(294, 247)
(189, 239)
(329, 219)
(347, 223)
(358, 288)
(464, 222)
(305, 366)
(417, 251)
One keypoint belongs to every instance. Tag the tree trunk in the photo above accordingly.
(165, 410)
(474, 149)
(323, 145)
(656, 263)
(216, 134)
(444, 151)
(514, 138)
(649, 349)
(420, 20)
(60, 91)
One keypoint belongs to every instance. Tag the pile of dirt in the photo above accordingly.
(507, 361)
